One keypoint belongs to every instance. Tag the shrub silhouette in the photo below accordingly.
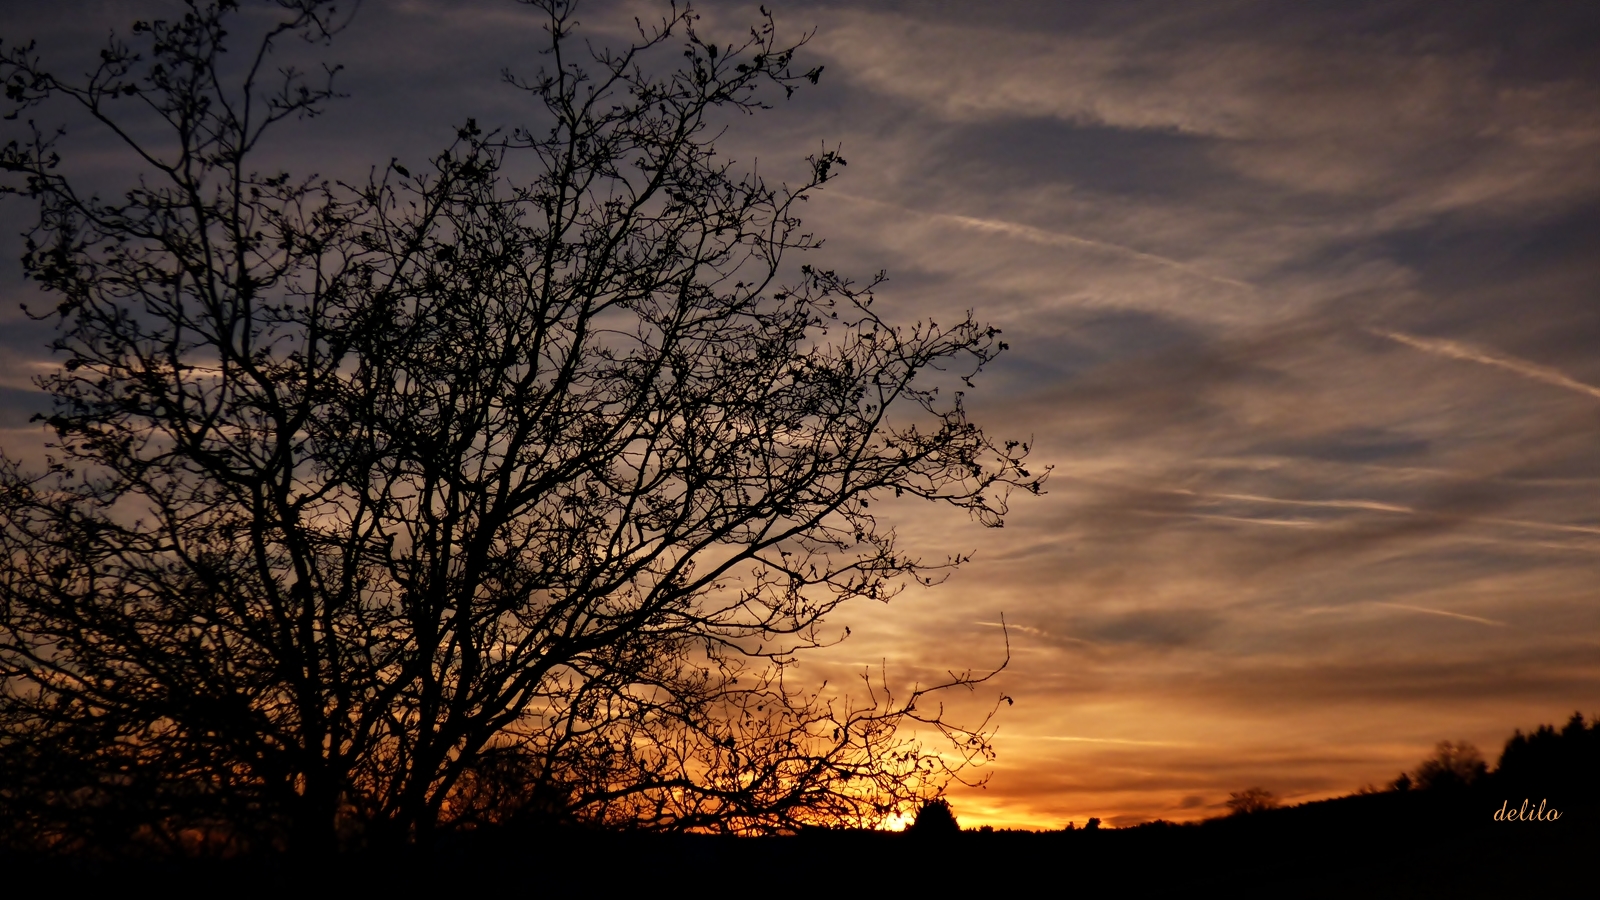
(1252, 800)
(1453, 766)
(935, 819)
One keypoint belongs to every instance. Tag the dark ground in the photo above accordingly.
(1379, 845)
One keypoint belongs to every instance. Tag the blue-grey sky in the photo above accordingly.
(1303, 302)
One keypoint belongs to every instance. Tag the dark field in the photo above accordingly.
(1388, 844)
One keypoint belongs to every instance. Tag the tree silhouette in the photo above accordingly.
(1453, 765)
(1251, 800)
(439, 497)
(935, 819)
(1562, 765)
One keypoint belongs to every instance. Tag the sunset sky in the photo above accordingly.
(1303, 303)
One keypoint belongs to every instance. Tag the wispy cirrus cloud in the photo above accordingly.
(1456, 350)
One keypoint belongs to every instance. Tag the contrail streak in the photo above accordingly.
(1011, 626)
(1366, 505)
(1440, 612)
(1089, 740)
(1247, 520)
(1454, 350)
(1058, 239)
(1544, 526)
(1372, 505)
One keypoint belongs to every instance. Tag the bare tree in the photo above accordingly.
(1251, 800)
(437, 497)
(1454, 764)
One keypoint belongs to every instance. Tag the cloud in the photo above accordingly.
(1078, 739)
(1058, 239)
(1368, 124)
(1455, 350)
(1441, 612)
(1279, 547)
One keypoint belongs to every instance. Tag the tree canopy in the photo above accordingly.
(445, 496)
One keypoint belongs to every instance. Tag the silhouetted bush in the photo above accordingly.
(1454, 765)
(1252, 800)
(935, 819)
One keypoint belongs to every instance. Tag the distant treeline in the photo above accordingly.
(1558, 765)
(1545, 783)
(1548, 775)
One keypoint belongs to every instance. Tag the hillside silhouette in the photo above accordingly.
(1451, 824)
